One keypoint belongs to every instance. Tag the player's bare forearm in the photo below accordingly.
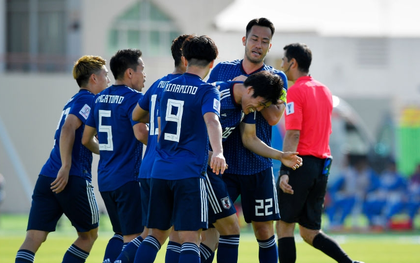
(273, 113)
(141, 131)
(140, 115)
(88, 139)
(214, 129)
(67, 137)
(255, 145)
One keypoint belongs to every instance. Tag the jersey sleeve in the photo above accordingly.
(250, 118)
(293, 110)
(82, 107)
(211, 101)
(91, 119)
(285, 84)
(144, 101)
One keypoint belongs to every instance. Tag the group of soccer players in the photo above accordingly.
(207, 144)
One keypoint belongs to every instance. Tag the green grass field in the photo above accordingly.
(370, 248)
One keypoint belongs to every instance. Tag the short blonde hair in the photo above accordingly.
(85, 67)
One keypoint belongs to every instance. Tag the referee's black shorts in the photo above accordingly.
(305, 206)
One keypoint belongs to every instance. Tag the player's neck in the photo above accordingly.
(199, 71)
(250, 67)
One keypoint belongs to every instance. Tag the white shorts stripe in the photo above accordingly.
(215, 205)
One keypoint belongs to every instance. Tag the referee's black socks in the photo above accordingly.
(330, 248)
(287, 250)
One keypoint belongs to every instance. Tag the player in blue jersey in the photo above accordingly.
(120, 148)
(258, 92)
(64, 184)
(250, 175)
(189, 110)
(146, 105)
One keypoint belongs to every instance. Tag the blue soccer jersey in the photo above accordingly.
(182, 150)
(242, 161)
(120, 151)
(148, 103)
(80, 106)
(231, 114)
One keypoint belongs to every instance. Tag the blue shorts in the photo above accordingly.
(145, 197)
(220, 204)
(258, 195)
(124, 208)
(181, 203)
(77, 201)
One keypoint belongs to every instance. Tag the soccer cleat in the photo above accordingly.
(355, 261)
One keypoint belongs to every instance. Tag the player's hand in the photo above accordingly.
(61, 181)
(218, 163)
(292, 160)
(284, 184)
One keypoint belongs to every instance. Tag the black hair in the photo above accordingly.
(266, 84)
(124, 59)
(176, 48)
(264, 22)
(301, 53)
(199, 50)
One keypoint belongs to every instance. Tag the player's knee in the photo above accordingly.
(263, 230)
(88, 237)
(36, 237)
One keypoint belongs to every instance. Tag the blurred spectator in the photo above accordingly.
(388, 199)
(349, 192)
(414, 194)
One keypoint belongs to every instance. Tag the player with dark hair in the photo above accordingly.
(64, 183)
(308, 128)
(250, 175)
(120, 148)
(147, 111)
(189, 110)
(258, 91)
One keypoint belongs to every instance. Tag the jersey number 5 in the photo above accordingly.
(109, 146)
(179, 104)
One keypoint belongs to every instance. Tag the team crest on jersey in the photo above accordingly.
(216, 105)
(290, 108)
(85, 111)
(226, 202)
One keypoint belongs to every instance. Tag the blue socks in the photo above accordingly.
(75, 255)
(268, 250)
(114, 248)
(206, 254)
(24, 256)
(190, 253)
(147, 251)
(228, 249)
(129, 251)
(173, 250)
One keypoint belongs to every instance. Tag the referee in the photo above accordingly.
(301, 192)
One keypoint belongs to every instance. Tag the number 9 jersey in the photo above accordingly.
(182, 150)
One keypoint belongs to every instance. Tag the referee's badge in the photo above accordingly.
(290, 108)
(226, 202)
